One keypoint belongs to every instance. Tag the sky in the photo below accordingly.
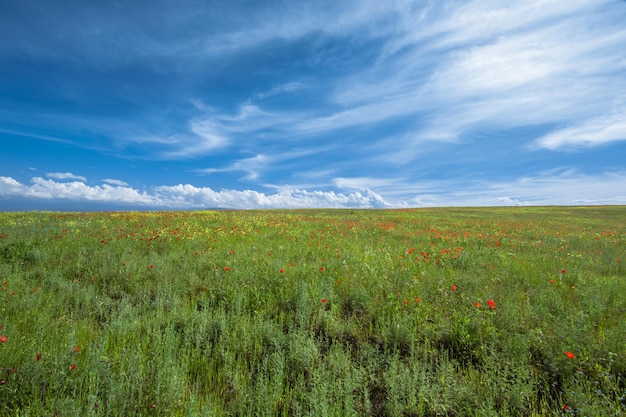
(245, 104)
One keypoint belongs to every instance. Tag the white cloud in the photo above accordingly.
(251, 166)
(185, 196)
(361, 183)
(9, 186)
(280, 89)
(188, 195)
(115, 182)
(460, 68)
(77, 190)
(65, 176)
(591, 132)
(566, 188)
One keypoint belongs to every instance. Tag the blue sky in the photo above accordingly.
(262, 104)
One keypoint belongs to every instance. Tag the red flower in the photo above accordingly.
(564, 271)
(565, 407)
(72, 367)
(477, 304)
(281, 270)
(454, 288)
(151, 267)
(3, 339)
(417, 300)
(75, 349)
(570, 355)
(322, 269)
(226, 268)
(38, 356)
(492, 304)
(323, 301)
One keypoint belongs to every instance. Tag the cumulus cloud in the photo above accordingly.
(552, 188)
(9, 186)
(186, 196)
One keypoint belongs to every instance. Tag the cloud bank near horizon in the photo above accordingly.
(564, 188)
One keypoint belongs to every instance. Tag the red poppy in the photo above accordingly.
(564, 271)
(281, 270)
(151, 266)
(322, 269)
(492, 304)
(323, 301)
(38, 356)
(3, 339)
(75, 349)
(72, 367)
(226, 268)
(417, 300)
(477, 304)
(565, 407)
(454, 288)
(570, 355)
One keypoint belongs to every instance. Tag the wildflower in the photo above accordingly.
(564, 271)
(72, 367)
(565, 407)
(477, 304)
(322, 269)
(417, 300)
(226, 268)
(75, 349)
(281, 270)
(406, 302)
(323, 301)
(454, 288)
(570, 355)
(3, 339)
(151, 267)
(38, 356)
(492, 304)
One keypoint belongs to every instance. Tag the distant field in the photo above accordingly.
(425, 312)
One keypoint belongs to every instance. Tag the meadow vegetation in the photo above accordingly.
(426, 312)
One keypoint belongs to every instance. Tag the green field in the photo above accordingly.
(425, 312)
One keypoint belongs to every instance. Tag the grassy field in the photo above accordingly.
(428, 312)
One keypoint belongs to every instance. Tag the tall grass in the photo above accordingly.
(429, 312)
